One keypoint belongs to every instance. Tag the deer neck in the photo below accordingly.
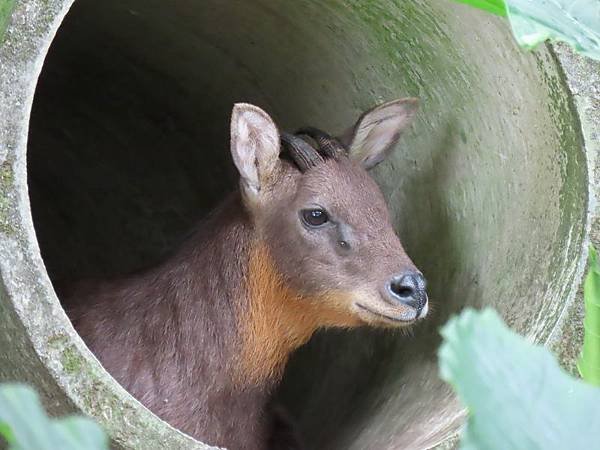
(269, 318)
(275, 322)
(278, 319)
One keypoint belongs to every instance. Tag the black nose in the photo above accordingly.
(409, 288)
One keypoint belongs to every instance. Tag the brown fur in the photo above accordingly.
(170, 335)
(203, 349)
(280, 319)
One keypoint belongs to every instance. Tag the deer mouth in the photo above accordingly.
(386, 317)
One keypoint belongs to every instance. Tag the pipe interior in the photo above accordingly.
(128, 147)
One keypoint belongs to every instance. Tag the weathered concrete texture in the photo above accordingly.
(582, 76)
(126, 145)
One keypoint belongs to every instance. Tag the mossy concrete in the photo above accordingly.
(125, 144)
(6, 9)
(582, 76)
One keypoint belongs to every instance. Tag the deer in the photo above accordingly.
(304, 243)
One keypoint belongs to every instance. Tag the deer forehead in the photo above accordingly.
(344, 188)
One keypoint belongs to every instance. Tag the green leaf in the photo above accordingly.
(21, 410)
(492, 6)
(589, 362)
(29, 428)
(78, 433)
(517, 395)
(576, 22)
(6, 433)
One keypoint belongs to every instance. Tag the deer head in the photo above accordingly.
(321, 220)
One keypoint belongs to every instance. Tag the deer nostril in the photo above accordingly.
(402, 289)
(408, 288)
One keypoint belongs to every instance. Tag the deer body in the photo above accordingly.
(171, 336)
(203, 338)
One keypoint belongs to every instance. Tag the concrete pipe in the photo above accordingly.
(114, 140)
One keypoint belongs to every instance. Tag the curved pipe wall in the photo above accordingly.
(124, 145)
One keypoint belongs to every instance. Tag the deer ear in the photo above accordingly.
(254, 148)
(377, 131)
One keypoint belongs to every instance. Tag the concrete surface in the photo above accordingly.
(124, 145)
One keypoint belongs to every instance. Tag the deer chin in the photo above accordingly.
(388, 318)
(376, 311)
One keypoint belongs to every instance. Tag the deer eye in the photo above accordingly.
(314, 217)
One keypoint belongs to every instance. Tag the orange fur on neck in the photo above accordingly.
(279, 319)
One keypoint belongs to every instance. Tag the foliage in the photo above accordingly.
(576, 22)
(589, 362)
(517, 395)
(492, 6)
(25, 425)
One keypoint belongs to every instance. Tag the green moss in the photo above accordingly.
(6, 183)
(572, 193)
(6, 9)
(71, 360)
(58, 341)
(98, 398)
